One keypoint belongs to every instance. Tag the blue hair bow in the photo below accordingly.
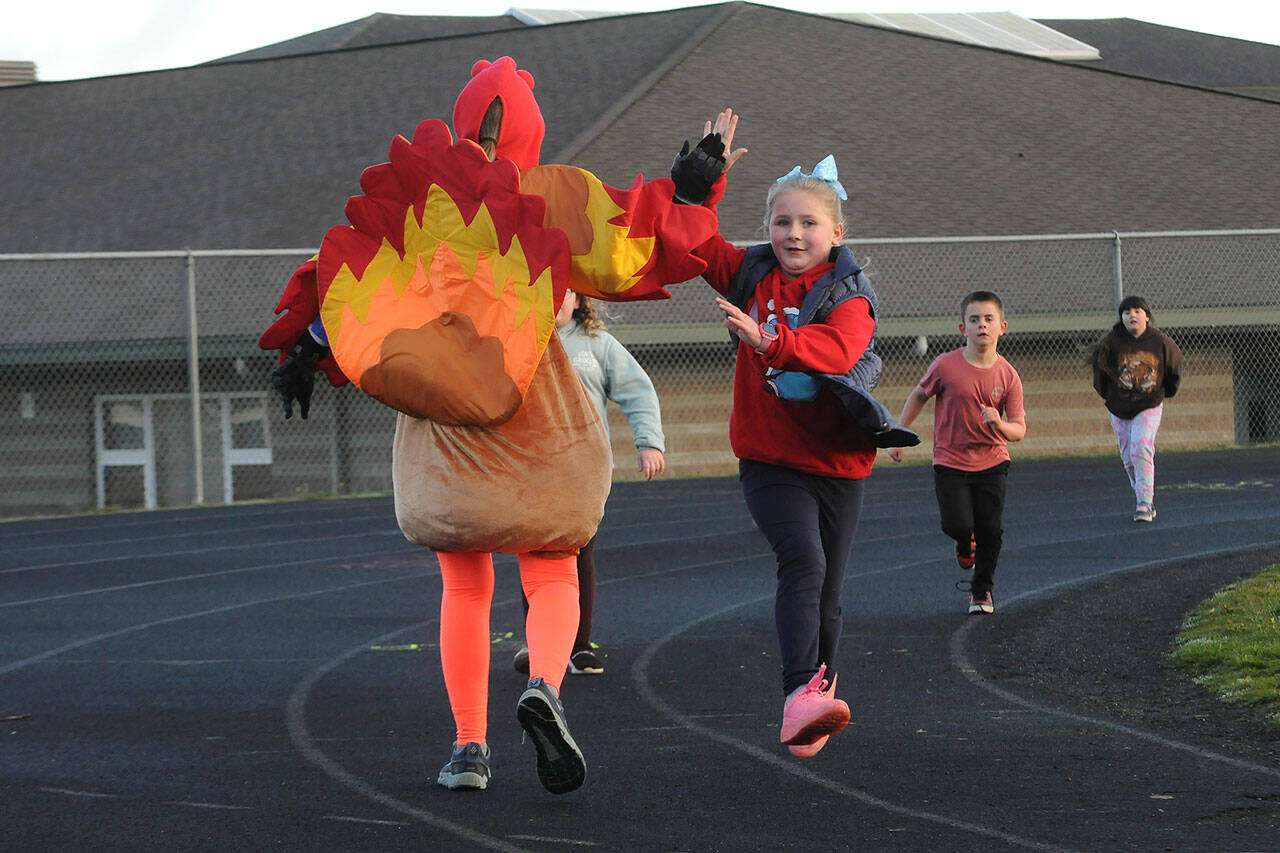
(824, 171)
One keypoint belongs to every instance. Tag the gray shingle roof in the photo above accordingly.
(932, 137)
(1182, 56)
(265, 153)
(379, 29)
(939, 138)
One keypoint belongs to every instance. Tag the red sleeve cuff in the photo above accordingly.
(716, 193)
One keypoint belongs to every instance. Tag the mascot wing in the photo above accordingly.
(297, 308)
(624, 244)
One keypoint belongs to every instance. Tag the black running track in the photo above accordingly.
(265, 677)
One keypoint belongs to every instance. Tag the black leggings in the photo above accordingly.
(586, 595)
(810, 522)
(971, 503)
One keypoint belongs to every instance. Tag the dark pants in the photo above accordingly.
(810, 522)
(586, 595)
(971, 503)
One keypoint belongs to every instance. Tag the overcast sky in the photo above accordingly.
(69, 39)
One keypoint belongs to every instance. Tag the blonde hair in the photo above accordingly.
(817, 187)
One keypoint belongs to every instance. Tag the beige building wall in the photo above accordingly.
(1064, 414)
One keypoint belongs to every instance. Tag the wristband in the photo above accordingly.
(768, 335)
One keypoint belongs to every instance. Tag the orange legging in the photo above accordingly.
(550, 585)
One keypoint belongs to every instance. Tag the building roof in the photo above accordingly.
(933, 137)
(380, 29)
(1182, 56)
(264, 153)
(1003, 30)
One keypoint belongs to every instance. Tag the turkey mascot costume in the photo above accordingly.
(439, 299)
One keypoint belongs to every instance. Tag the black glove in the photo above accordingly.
(694, 172)
(295, 377)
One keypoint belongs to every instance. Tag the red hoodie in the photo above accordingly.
(815, 436)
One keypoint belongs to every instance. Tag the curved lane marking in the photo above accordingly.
(639, 675)
(961, 661)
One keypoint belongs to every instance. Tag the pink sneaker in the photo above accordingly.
(812, 711)
(809, 750)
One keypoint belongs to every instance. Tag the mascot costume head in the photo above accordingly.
(522, 126)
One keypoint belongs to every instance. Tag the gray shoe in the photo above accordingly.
(561, 767)
(1144, 512)
(468, 768)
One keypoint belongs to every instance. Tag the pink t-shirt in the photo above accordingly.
(960, 438)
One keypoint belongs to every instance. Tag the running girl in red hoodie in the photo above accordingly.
(804, 317)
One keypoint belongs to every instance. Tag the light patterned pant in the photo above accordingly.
(1137, 440)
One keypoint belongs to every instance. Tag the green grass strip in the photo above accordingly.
(1231, 643)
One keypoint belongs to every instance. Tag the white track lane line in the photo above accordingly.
(307, 540)
(296, 706)
(199, 614)
(299, 733)
(225, 533)
(961, 661)
(410, 549)
(640, 676)
(223, 573)
(220, 533)
(296, 723)
(89, 522)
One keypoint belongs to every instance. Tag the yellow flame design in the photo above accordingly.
(605, 260)
(614, 263)
(447, 265)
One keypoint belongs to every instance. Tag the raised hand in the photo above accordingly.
(740, 323)
(695, 171)
(726, 125)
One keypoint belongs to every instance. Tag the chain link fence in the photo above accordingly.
(134, 379)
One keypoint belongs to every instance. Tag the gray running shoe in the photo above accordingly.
(1144, 513)
(468, 768)
(561, 767)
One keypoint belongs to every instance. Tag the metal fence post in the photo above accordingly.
(193, 373)
(1117, 266)
(335, 444)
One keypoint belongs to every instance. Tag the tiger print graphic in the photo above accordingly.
(1138, 371)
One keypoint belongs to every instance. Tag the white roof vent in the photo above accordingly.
(1003, 30)
(538, 17)
(17, 73)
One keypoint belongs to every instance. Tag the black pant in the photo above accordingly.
(971, 503)
(810, 522)
(586, 594)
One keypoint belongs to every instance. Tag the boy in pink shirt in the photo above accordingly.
(978, 411)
